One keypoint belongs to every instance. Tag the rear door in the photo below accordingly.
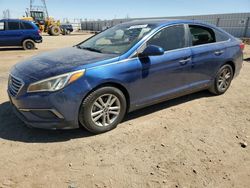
(207, 55)
(13, 33)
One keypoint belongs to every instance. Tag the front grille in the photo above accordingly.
(15, 85)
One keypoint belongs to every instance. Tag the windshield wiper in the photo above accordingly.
(90, 49)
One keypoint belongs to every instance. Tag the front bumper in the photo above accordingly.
(39, 41)
(26, 117)
(55, 110)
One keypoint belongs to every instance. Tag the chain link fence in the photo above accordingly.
(237, 24)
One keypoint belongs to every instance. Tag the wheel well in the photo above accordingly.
(27, 39)
(231, 64)
(118, 86)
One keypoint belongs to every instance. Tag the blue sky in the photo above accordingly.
(109, 9)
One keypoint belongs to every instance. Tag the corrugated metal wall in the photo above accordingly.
(238, 24)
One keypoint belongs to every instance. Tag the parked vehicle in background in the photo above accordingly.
(66, 29)
(127, 67)
(14, 32)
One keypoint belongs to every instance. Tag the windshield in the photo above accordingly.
(116, 40)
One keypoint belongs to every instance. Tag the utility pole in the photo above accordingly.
(42, 7)
(45, 7)
(6, 14)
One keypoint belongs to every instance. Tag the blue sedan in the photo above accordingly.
(122, 69)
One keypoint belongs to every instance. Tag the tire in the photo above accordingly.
(98, 117)
(223, 80)
(68, 32)
(55, 30)
(29, 44)
(64, 32)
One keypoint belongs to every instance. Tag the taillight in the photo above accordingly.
(242, 46)
(39, 32)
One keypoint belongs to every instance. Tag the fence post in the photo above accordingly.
(246, 27)
(217, 22)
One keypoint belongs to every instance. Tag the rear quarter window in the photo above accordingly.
(220, 36)
(25, 25)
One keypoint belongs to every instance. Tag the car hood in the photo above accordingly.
(60, 61)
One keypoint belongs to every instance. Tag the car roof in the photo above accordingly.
(18, 20)
(163, 22)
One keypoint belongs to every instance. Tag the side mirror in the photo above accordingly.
(152, 50)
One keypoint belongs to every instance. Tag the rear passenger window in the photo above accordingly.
(201, 35)
(220, 36)
(1, 26)
(13, 25)
(25, 25)
(170, 38)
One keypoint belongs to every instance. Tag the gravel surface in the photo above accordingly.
(199, 140)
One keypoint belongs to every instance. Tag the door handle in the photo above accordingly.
(184, 61)
(219, 52)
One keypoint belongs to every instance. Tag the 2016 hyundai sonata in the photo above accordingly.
(127, 67)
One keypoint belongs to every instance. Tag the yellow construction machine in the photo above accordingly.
(39, 15)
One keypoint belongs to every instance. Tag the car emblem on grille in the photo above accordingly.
(10, 81)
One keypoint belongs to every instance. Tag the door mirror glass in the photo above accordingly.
(152, 50)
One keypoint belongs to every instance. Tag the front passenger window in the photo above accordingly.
(170, 38)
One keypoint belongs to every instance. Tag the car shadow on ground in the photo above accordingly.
(14, 49)
(167, 104)
(247, 60)
(11, 49)
(11, 128)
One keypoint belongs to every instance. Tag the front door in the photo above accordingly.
(165, 74)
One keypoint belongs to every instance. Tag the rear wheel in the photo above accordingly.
(103, 110)
(68, 32)
(29, 44)
(223, 80)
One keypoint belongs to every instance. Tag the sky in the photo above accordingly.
(110, 9)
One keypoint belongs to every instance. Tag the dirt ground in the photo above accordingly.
(192, 141)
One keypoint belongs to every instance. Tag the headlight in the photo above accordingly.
(55, 83)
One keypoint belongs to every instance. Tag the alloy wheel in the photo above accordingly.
(224, 79)
(105, 110)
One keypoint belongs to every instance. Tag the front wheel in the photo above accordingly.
(103, 110)
(55, 30)
(223, 80)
